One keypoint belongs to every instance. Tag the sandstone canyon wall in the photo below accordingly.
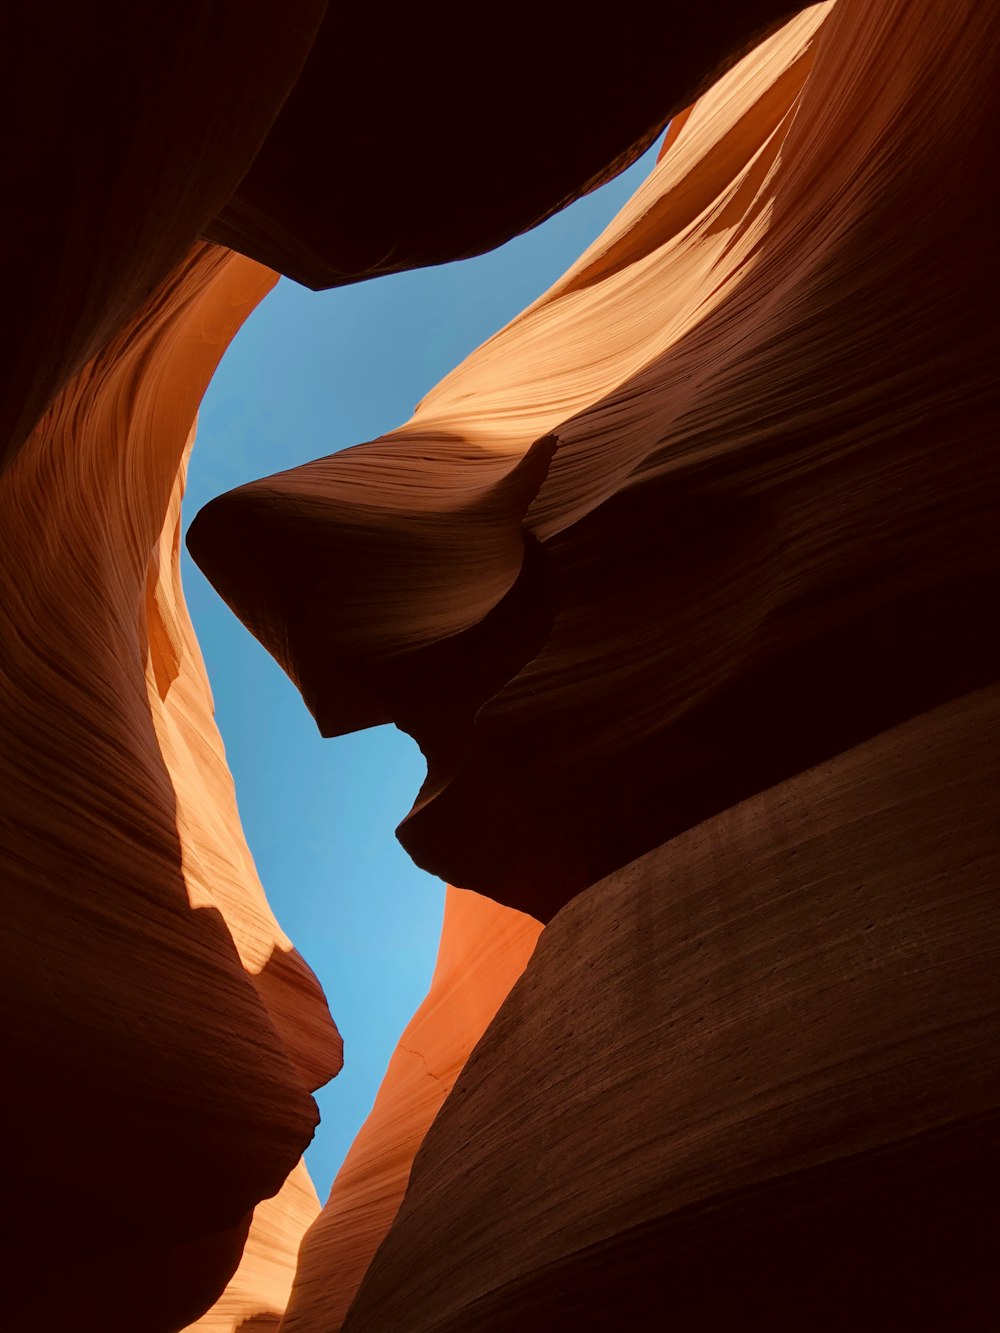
(719, 473)
(686, 571)
(161, 1034)
(125, 129)
(428, 138)
(484, 949)
(746, 1081)
(258, 1291)
(684, 584)
(129, 131)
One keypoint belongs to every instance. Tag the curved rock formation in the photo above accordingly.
(150, 128)
(718, 474)
(427, 143)
(484, 949)
(746, 1082)
(160, 1035)
(258, 1291)
(124, 130)
(678, 581)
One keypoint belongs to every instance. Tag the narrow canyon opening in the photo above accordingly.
(308, 374)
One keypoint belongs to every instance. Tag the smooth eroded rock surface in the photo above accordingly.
(160, 1035)
(746, 1081)
(484, 949)
(685, 583)
(719, 505)
(124, 129)
(258, 1291)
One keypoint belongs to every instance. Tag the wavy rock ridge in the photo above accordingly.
(718, 472)
(693, 539)
(160, 1030)
(742, 1082)
(679, 582)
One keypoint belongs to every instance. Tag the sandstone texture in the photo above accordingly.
(705, 510)
(685, 584)
(258, 1291)
(126, 128)
(484, 948)
(745, 1082)
(161, 1036)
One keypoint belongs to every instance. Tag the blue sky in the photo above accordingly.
(311, 373)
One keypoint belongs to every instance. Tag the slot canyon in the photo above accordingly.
(685, 583)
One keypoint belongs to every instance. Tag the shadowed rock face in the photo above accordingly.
(258, 1291)
(125, 128)
(430, 137)
(160, 1034)
(743, 1082)
(679, 581)
(715, 484)
(140, 124)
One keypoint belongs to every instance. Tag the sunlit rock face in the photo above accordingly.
(258, 1291)
(484, 948)
(745, 1082)
(702, 516)
(682, 582)
(679, 582)
(161, 1036)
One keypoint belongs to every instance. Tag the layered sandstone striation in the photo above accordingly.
(743, 1082)
(682, 583)
(258, 1291)
(484, 949)
(705, 508)
(678, 581)
(161, 1036)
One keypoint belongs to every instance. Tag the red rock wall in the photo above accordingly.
(484, 949)
(745, 1082)
(679, 581)
(719, 473)
(692, 563)
(125, 129)
(258, 1291)
(446, 145)
(161, 1036)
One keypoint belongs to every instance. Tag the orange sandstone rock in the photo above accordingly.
(720, 504)
(258, 1291)
(484, 949)
(688, 564)
(129, 132)
(745, 1082)
(160, 1035)
(679, 581)
(218, 869)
